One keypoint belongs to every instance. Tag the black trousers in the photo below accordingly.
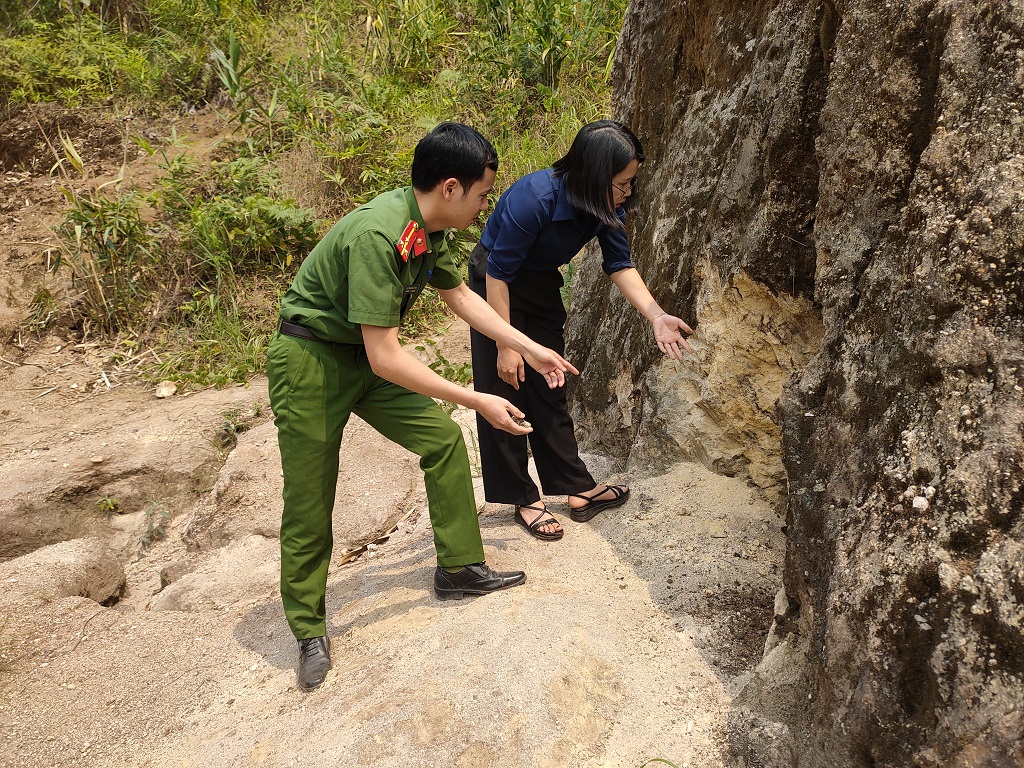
(535, 309)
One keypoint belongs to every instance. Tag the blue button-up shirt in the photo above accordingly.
(534, 227)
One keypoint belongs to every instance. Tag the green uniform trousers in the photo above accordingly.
(314, 387)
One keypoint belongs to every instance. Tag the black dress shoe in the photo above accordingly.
(475, 579)
(314, 661)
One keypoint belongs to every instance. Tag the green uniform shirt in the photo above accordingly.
(356, 275)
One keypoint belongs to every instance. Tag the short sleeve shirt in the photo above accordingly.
(357, 276)
(534, 227)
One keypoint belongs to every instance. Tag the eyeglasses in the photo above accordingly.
(630, 186)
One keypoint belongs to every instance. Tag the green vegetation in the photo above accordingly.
(156, 520)
(235, 422)
(43, 309)
(324, 103)
(105, 245)
(108, 506)
(460, 373)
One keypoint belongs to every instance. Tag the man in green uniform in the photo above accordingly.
(337, 353)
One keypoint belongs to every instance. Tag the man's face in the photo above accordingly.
(468, 207)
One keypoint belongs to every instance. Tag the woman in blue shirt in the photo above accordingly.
(539, 224)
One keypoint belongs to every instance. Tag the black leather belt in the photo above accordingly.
(300, 332)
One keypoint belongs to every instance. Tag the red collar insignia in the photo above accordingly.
(413, 241)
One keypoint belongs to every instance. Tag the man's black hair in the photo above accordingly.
(600, 150)
(452, 151)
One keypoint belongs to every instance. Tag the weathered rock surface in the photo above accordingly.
(133, 450)
(835, 193)
(239, 573)
(373, 491)
(80, 568)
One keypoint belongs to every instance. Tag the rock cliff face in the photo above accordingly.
(834, 192)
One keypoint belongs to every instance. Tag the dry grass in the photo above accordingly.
(302, 175)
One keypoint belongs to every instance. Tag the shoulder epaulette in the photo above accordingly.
(413, 241)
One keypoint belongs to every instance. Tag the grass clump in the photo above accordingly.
(43, 308)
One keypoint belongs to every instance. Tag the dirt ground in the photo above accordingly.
(152, 634)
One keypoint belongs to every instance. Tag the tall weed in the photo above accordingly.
(409, 35)
(105, 244)
(230, 69)
(551, 21)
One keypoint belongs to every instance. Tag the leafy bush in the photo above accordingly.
(232, 236)
(229, 219)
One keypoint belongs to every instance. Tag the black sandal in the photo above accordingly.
(592, 507)
(534, 528)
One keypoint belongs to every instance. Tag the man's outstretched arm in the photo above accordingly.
(389, 361)
(481, 316)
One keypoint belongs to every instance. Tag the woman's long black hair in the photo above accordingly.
(600, 150)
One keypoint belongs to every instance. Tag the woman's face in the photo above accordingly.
(622, 183)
